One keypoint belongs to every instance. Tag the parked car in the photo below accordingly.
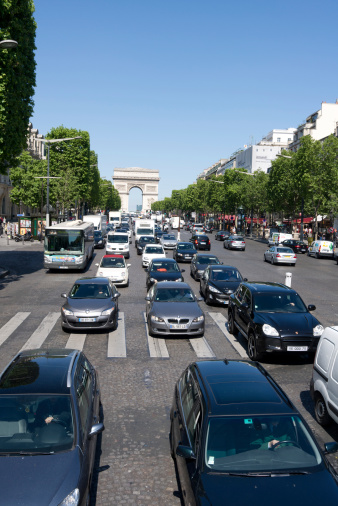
(324, 385)
(296, 246)
(163, 269)
(99, 240)
(114, 268)
(236, 437)
(143, 240)
(200, 262)
(321, 249)
(152, 251)
(280, 255)
(168, 241)
(273, 318)
(50, 420)
(184, 252)
(92, 303)
(201, 241)
(218, 282)
(221, 235)
(165, 301)
(234, 242)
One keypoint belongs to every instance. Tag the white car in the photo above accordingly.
(115, 268)
(152, 251)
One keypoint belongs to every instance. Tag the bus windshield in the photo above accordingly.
(145, 231)
(64, 241)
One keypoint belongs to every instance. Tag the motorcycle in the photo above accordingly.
(25, 237)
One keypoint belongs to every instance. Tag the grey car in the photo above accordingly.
(92, 303)
(234, 242)
(280, 255)
(172, 309)
(168, 241)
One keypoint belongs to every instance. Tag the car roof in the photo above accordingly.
(264, 286)
(238, 387)
(39, 371)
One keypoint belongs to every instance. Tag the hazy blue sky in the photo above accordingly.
(176, 85)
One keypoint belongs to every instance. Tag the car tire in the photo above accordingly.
(128, 256)
(307, 253)
(265, 260)
(172, 453)
(65, 330)
(252, 348)
(127, 284)
(272, 261)
(317, 255)
(231, 325)
(321, 413)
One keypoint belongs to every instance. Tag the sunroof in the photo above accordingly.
(239, 392)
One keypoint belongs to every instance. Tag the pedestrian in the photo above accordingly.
(1, 229)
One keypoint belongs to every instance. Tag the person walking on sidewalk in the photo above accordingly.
(1, 229)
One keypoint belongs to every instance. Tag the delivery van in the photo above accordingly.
(278, 238)
(320, 249)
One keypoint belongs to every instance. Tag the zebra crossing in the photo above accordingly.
(117, 340)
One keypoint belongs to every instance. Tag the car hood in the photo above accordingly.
(224, 286)
(92, 305)
(278, 490)
(166, 276)
(175, 309)
(108, 272)
(41, 479)
(303, 323)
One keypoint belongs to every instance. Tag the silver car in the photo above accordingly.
(234, 242)
(280, 255)
(172, 309)
(168, 241)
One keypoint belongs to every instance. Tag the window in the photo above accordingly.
(278, 139)
(84, 387)
(191, 408)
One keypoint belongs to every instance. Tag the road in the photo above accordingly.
(138, 374)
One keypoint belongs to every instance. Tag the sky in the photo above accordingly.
(177, 85)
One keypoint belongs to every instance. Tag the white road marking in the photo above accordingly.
(40, 334)
(220, 321)
(157, 347)
(76, 341)
(201, 347)
(117, 340)
(11, 326)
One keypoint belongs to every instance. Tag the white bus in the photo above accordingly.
(68, 245)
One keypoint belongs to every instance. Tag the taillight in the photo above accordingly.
(319, 248)
(196, 241)
(278, 255)
(294, 256)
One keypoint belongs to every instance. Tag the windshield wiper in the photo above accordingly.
(10, 454)
(262, 474)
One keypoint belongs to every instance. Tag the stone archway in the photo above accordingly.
(145, 179)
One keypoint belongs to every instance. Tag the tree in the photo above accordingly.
(27, 188)
(109, 196)
(17, 79)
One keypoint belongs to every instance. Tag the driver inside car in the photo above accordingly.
(54, 409)
(275, 432)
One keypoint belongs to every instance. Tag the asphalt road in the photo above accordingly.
(134, 465)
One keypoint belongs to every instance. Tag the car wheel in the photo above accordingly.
(114, 325)
(264, 258)
(67, 331)
(252, 348)
(207, 299)
(127, 284)
(317, 255)
(322, 416)
(231, 325)
(272, 261)
(172, 453)
(223, 245)
(307, 253)
(151, 334)
(128, 256)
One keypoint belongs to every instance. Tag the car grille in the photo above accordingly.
(87, 325)
(178, 320)
(298, 340)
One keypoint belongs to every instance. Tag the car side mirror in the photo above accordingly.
(331, 447)
(117, 295)
(311, 307)
(186, 452)
(244, 305)
(128, 265)
(64, 295)
(182, 270)
(245, 279)
(95, 430)
(148, 299)
(97, 265)
(199, 299)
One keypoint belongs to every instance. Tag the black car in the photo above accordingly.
(184, 251)
(201, 241)
(219, 282)
(158, 235)
(208, 229)
(221, 235)
(92, 303)
(99, 240)
(50, 419)
(273, 318)
(296, 246)
(237, 439)
(163, 269)
(143, 240)
(200, 262)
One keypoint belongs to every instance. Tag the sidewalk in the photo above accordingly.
(9, 245)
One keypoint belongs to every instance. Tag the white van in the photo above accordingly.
(321, 249)
(324, 381)
(278, 238)
(118, 244)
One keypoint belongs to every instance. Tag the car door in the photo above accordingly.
(244, 311)
(204, 281)
(269, 253)
(193, 265)
(150, 302)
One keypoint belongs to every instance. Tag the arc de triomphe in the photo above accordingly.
(135, 177)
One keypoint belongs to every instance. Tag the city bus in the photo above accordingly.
(68, 245)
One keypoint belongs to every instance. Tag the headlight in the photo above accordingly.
(156, 319)
(72, 499)
(318, 330)
(78, 260)
(100, 273)
(107, 311)
(146, 258)
(213, 289)
(123, 274)
(152, 280)
(179, 279)
(229, 292)
(200, 272)
(67, 312)
(48, 258)
(100, 242)
(180, 254)
(270, 331)
(198, 319)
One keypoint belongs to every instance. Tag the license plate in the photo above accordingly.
(297, 348)
(187, 257)
(287, 256)
(63, 267)
(177, 326)
(85, 320)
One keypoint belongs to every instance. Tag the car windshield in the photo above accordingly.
(174, 295)
(241, 444)
(169, 237)
(23, 425)
(153, 250)
(207, 260)
(185, 247)
(118, 238)
(165, 267)
(97, 234)
(284, 250)
(225, 275)
(237, 238)
(112, 263)
(202, 237)
(90, 291)
(279, 303)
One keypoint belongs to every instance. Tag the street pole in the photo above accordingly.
(301, 235)
(47, 197)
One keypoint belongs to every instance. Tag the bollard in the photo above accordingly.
(288, 277)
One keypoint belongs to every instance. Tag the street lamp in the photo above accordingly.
(49, 142)
(8, 44)
(42, 178)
